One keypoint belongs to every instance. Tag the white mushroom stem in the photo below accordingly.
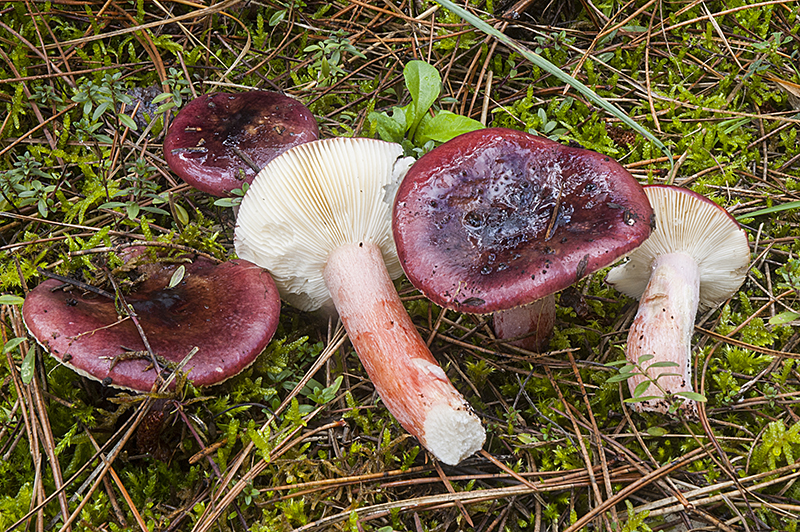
(528, 326)
(663, 328)
(414, 387)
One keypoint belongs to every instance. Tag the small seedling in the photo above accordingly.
(415, 126)
(629, 369)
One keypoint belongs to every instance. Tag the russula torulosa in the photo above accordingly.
(215, 140)
(318, 217)
(497, 219)
(229, 311)
(697, 257)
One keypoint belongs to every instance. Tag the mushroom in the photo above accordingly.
(697, 257)
(528, 326)
(219, 141)
(319, 218)
(229, 311)
(497, 219)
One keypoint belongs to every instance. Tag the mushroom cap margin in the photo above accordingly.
(690, 223)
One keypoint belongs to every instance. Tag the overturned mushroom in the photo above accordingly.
(228, 311)
(318, 217)
(697, 257)
(218, 139)
(497, 219)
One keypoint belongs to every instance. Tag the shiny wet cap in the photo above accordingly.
(498, 218)
(202, 143)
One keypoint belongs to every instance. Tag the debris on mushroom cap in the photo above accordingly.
(689, 223)
(206, 143)
(312, 199)
(228, 311)
(497, 218)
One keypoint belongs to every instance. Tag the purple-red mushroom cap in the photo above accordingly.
(208, 141)
(497, 218)
(229, 311)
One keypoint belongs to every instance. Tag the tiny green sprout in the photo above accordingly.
(326, 395)
(635, 521)
(235, 199)
(414, 125)
(632, 369)
(250, 493)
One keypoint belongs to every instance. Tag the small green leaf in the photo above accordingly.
(784, 317)
(12, 344)
(181, 215)
(444, 126)
(621, 377)
(9, 299)
(390, 128)
(161, 97)
(132, 209)
(692, 396)
(227, 202)
(26, 372)
(277, 17)
(177, 276)
(112, 205)
(164, 107)
(424, 83)
(643, 399)
(128, 122)
(627, 368)
(641, 388)
(664, 364)
(102, 108)
(656, 431)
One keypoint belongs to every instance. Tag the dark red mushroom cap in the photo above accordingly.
(497, 218)
(202, 143)
(229, 311)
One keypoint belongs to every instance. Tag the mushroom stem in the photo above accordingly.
(409, 380)
(529, 326)
(663, 328)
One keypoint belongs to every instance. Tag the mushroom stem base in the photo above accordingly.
(410, 382)
(663, 328)
(529, 326)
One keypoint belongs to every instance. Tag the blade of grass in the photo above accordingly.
(549, 67)
(770, 210)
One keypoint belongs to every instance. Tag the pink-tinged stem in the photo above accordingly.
(663, 327)
(529, 326)
(411, 383)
